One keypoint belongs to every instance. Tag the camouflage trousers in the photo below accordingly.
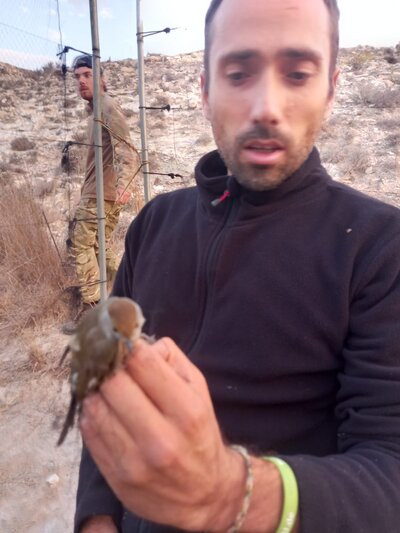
(83, 238)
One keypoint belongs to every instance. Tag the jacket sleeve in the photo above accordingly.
(126, 159)
(94, 496)
(358, 488)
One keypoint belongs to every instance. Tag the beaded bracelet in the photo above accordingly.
(290, 495)
(240, 518)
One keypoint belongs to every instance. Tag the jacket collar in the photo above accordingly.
(213, 182)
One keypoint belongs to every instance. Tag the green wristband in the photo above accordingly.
(290, 495)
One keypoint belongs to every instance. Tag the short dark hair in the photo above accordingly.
(334, 22)
(82, 61)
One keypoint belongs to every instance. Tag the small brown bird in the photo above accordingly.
(103, 339)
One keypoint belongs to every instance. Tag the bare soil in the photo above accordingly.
(37, 478)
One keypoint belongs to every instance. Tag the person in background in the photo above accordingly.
(120, 167)
(276, 406)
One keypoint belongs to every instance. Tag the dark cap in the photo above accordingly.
(82, 61)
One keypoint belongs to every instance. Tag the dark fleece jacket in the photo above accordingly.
(289, 302)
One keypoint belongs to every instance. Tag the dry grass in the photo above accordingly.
(32, 277)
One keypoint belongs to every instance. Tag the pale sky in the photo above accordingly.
(373, 22)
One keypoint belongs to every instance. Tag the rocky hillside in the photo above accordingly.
(39, 111)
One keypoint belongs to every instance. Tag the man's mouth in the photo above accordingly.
(269, 146)
(262, 152)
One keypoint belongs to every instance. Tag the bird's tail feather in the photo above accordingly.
(69, 420)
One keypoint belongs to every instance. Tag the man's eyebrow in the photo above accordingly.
(299, 54)
(302, 54)
(239, 56)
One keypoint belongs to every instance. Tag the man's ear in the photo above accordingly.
(332, 94)
(204, 94)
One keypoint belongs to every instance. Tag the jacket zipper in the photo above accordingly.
(210, 262)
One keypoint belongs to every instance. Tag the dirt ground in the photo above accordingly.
(37, 478)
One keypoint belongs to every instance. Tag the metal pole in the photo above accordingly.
(142, 104)
(98, 146)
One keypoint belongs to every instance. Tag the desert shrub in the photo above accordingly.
(49, 68)
(80, 136)
(379, 97)
(5, 173)
(32, 157)
(128, 112)
(203, 139)
(158, 124)
(329, 128)
(390, 123)
(5, 167)
(31, 273)
(391, 59)
(354, 160)
(28, 95)
(169, 76)
(6, 84)
(360, 59)
(155, 161)
(392, 141)
(43, 188)
(349, 158)
(81, 114)
(160, 100)
(15, 159)
(70, 102)
(21, 144)
(6, 102)
(74, 160)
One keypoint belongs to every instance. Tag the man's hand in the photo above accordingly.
(99, 524)
(123, 196)
(153, 434)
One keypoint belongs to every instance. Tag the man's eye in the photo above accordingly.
(298, 76)
(237, 76)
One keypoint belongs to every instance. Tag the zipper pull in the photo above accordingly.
(219, 200)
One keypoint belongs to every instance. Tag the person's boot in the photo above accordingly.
(70, 327)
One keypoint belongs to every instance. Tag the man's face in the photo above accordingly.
(84, 81)
(268, 89)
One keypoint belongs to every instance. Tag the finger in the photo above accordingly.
(179, 399)
(140, 417)
(168, 350)
(105, 437)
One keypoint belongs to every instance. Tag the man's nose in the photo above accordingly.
(267, 104)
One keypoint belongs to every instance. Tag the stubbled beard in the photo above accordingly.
(261, 177)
